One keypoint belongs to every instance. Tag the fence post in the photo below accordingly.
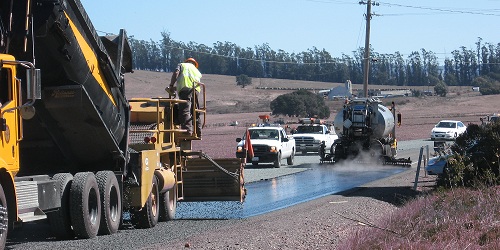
(418, 167)
(427, 159)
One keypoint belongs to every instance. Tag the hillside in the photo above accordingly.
(223, 95)
(227, 102)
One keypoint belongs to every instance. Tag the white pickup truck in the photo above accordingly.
(270, 145)
(308, 137)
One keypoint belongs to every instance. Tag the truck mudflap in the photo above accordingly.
(207, 179)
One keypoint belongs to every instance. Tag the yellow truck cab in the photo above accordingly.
(12, 112)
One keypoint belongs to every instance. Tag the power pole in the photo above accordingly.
(367, 45)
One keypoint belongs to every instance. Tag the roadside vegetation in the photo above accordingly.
(459, 218)
(463, 212)
(300, 103)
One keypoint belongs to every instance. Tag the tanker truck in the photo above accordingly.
(364, 125)
(73, 149)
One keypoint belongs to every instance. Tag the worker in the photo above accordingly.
(187, 76)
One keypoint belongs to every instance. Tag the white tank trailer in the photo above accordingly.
(365, 125)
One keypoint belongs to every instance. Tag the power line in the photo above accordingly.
(478, 12)
(486, 12)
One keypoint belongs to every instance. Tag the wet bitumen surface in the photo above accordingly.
(270, 189)
(308, 181)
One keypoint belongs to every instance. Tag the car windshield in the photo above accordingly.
(309, 129)
(266, 134)
(446, 125)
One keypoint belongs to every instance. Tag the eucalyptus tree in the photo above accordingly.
(450, 75)
(400, 73)
(415, 69)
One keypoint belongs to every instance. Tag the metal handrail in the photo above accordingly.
(202, 109)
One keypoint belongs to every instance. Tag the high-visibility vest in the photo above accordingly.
(188, 76)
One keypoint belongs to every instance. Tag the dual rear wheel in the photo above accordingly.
(90, 204)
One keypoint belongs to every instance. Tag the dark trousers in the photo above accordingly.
(186, 111)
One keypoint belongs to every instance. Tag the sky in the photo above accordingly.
(338, 26)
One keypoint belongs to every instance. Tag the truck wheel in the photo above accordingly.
(111, 203)
(85, 205)
(290, 159)
(4, 219)
(168, 205)
(147, 216)
(277, 161)
(60, 220)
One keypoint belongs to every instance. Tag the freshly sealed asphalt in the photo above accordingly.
(295, 184)
(270, 188)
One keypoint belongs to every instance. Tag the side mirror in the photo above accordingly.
(238, 139)
(285, 139)
(27, 112)
(33, 78)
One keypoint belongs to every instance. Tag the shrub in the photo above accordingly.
(441, 89)
(476, 158)
(416, 93)
(243, 80)
(300, 103)
(488, 85)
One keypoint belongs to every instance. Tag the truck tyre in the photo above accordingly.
(277, 161)
(290, 159)
(111, 202)
(147, 216)
(60, 220)
(168, 205)
(4, 219)
(85, 205)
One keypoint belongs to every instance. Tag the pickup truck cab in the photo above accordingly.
(270, 145)
(308, 137)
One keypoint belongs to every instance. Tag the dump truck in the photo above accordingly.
(365, 125)
(73, 149)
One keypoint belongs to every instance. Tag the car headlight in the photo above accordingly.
(317, 141)
(273, 149)
(449, 132)
(239, 149)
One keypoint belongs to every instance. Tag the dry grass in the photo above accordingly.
(457, 219)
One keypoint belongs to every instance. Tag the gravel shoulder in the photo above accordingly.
(318, 224)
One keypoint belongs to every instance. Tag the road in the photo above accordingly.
(280, 188)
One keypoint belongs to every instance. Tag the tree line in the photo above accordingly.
(420, 68)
